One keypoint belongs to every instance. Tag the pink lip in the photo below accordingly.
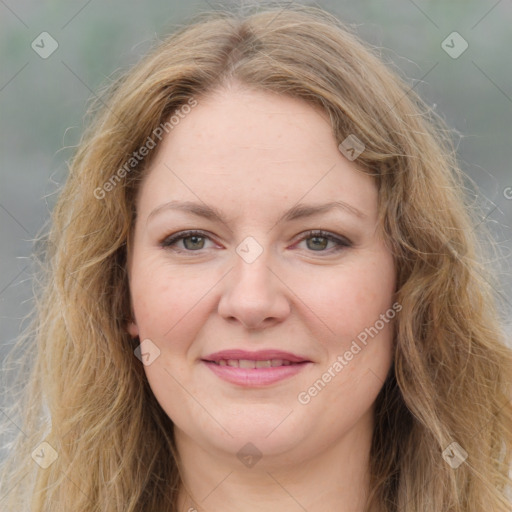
(255, 377)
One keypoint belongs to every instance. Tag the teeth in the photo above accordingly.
(248, 363)
(245, 363)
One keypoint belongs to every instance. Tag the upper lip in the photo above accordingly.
(260, 355)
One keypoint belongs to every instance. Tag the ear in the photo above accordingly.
(131, 326)
(132, 329)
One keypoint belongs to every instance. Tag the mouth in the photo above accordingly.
(255, 369)
(254, 363)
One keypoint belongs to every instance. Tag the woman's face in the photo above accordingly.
(254, 330)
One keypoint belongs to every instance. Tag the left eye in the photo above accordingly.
(194, 241)
(319, 240)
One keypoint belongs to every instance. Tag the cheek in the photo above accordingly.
(360, 352)
(348, 300)
(165, 297)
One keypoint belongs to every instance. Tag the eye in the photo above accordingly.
(320, 239)
(192, 240)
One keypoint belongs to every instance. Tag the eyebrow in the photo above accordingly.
(297, 211)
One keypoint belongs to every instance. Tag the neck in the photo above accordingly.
(334, 478)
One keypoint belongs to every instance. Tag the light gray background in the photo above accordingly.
(43, 101)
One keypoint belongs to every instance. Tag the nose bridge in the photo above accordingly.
(252, 293)
(253, 276)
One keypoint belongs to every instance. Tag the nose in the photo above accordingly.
(254, 294)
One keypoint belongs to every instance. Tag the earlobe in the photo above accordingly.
(132, 329)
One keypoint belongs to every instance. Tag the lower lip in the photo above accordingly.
(254, 377)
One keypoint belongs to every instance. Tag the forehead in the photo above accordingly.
(254, 149)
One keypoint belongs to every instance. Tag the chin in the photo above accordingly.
(271, 430)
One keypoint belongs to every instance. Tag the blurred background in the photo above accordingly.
(55, 55)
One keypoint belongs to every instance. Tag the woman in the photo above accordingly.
(201, 346)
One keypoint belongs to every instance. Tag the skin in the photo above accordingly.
(253, 155)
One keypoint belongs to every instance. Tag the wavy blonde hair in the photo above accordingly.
(84, 391)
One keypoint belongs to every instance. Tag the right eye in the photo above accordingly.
(193, 241)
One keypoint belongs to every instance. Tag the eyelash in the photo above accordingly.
(342, 243)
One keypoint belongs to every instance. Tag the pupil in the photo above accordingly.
(194, 239)
(322, 245)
